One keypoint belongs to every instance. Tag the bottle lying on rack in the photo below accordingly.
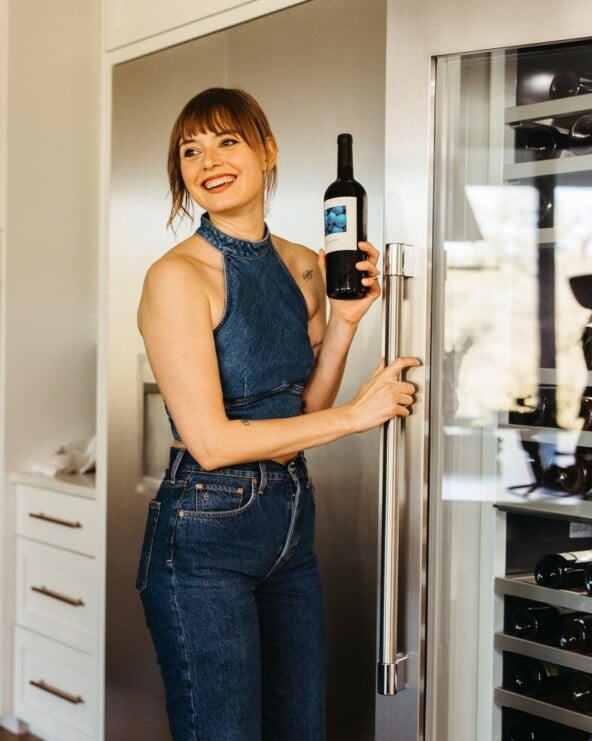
(580, 135)
(586, 411)
(535, 678)
(539, 410)
(579, 691)
(541, 85)
(534, 141)
(575, 478)
(533, 621)
(588, 579)
(563, 570)
(523, 727)
(575, 633)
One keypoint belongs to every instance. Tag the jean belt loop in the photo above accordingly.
(176, 464)
(263, 473)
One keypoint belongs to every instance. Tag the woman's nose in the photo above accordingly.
(211, 157)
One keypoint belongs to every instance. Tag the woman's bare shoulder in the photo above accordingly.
(187, 261)
(303, 264)
(293, 249)
(179, 276)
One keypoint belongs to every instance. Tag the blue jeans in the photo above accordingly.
(232, 597)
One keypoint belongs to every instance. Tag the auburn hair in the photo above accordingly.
(216, 110)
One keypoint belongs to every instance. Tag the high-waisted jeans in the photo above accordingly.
(232, 598)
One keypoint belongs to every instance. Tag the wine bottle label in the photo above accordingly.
(341, 224)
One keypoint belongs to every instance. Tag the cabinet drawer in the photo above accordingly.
(55, 688)
(56, 594)
(62, 520)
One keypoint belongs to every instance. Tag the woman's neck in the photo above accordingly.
(250, 227)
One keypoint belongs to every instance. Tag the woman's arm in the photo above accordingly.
(337, 335)
(174, 318)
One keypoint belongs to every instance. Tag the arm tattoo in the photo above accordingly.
(307, 275)
(245, 422)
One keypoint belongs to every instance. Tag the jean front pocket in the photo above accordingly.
(220, 495)
(147, 545)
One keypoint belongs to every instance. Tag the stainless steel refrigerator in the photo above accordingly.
(428, 530)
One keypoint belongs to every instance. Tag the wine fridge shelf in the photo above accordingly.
(548, 109)
(543, 652)
(527, 588)
(542, 709)
(547, 503)
(558, 435)
(552, 166)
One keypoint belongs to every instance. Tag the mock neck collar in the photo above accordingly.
(232, 245)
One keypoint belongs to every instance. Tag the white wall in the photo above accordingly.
(48, 279)
(52, 223)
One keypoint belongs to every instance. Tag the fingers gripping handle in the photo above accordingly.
(390, 656)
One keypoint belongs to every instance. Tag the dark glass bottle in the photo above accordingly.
(580, 135)
(345, 207)
(536, 141)
(579, 691)
(550, 84)
(533, 621)
(527, 728)
(575, 632)
(573, 479)
(588, 578)
(563, 570)
(535, 678)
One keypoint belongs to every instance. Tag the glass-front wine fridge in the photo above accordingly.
(494, 192)
(512, 320)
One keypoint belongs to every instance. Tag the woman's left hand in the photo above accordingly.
(352, 310)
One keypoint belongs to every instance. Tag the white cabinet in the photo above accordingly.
(56, 667)
(130, 21)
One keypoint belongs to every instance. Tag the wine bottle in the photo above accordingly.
(575, 478)
(580, 135)
(551, 84)
(535, 678)
(563, 570)
(579, 691)
(586, 412)
(345, 207)
(588, 578)
(525, 727)
(536, 141)
(533, 621)
(575, 632)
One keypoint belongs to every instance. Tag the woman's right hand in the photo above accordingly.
(383, 396)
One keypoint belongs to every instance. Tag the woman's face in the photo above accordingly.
(222, 173)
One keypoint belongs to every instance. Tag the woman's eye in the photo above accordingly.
(229, 142)
(189, 152)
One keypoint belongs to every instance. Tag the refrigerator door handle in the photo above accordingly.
(390, 657)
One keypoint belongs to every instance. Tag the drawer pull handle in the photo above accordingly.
(56, 595)
(43, 685)
(55, 520)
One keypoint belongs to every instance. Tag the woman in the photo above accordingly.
(233, 320)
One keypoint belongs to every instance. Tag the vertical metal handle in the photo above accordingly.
(389, 657)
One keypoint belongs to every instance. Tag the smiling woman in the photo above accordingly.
(231, 113)
(234, 324)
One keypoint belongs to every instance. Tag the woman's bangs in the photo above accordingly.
(215, 119)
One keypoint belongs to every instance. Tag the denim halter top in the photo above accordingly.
(262, 343)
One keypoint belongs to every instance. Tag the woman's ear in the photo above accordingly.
(271, 153)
